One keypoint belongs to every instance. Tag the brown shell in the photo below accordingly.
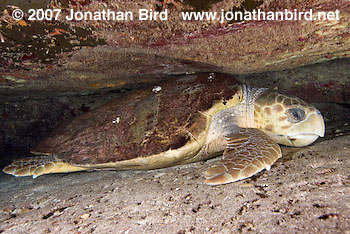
(142, 123)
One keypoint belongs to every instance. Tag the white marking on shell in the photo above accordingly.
(211, 76)
(156, 89)
(116, 120)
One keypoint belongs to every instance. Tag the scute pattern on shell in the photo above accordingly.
(148, 123)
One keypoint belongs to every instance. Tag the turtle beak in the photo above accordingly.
(307, 131)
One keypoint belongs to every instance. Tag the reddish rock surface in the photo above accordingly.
(133, 49)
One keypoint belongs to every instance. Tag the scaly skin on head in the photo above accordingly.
(288, 120)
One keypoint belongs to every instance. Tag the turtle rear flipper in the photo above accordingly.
(39, 165)
(247, 153)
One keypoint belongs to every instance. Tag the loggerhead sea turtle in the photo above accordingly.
(180, 121)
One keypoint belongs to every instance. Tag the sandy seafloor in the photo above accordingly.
(306, 191)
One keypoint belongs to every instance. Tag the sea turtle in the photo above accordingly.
(180, 121)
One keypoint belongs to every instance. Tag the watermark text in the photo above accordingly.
(152, 15)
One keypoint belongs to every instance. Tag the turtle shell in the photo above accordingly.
(142, 123)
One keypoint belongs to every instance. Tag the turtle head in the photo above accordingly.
(289, 120)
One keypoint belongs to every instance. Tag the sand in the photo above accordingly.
(306, 191)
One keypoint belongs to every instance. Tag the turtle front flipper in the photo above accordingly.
(247, 152)
(39, 165)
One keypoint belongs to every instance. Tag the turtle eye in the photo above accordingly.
(295, 115)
